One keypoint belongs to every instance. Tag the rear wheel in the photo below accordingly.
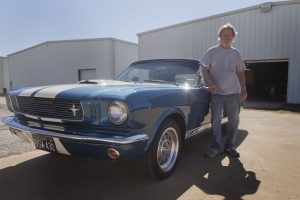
(161, 159)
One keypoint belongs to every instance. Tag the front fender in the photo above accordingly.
(163, 116)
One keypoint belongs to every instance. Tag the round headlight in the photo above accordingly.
(117, 112)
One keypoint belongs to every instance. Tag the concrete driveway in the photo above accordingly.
(269, 143)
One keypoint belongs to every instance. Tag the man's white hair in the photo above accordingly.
(227, 26)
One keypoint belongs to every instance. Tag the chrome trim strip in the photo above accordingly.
(197, 130)
(83, 114)
(41, 118)
(9, 121)
(52, 119)
(30, 116)
(201, 129)
(48, 119)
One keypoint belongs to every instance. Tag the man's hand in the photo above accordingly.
(243, 95)
(212, 88)
(211, 85)
(241, 77)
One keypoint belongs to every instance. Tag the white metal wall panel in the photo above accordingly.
(58, 62)
(1, 74)
(262, 36)
(5, 74)
(294, 71)
(124, 54)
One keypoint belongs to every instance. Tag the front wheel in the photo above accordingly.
(161, 158)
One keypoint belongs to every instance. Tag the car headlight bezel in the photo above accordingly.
(117, 112)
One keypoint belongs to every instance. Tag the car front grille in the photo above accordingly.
(63, 109)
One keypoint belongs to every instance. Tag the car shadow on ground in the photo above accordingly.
(54, 176)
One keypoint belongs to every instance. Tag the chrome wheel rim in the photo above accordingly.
(167, 150)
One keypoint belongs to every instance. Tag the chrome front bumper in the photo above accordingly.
(118, 140)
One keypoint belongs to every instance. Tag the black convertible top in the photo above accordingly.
(166, 60)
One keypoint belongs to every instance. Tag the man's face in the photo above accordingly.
(226, 37)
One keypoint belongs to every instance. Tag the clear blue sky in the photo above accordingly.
(24, 23)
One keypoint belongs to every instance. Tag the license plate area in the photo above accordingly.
(44, 143)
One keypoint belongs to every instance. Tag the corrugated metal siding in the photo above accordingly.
(294, 72)
(1, 74)
(269, 35)
(124, 54)
(58, 62)
(260, 35)
(5, 74)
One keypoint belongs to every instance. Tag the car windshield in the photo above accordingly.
(175, 72)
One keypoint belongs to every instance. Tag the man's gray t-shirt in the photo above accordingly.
(224, 64)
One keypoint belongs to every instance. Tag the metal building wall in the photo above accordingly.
(1, 74)
(5, 74)
(58, 62)
(124, 54)
(262, 36)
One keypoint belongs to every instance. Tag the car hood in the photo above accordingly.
(103, 89)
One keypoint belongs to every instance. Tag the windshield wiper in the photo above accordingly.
(160, 81)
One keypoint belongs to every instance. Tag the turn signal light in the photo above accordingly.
(114, 154)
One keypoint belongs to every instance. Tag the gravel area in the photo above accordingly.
(10, 144)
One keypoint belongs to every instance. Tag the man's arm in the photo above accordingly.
(241, 77)
(209, 79)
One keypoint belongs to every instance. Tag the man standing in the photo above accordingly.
(224, 71)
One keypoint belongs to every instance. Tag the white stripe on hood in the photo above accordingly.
(50, 91)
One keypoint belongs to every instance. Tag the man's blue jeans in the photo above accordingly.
(230, 104)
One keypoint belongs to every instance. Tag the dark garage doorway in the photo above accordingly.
(267, 80)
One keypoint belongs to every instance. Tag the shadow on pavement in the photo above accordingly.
(54, 176)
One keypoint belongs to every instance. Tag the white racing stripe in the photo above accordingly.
(30, 91)
(59, 147)
(53, 91)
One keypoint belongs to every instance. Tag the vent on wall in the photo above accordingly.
(266, 7)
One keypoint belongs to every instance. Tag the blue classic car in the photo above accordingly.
(145, 114)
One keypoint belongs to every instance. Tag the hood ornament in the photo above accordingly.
(74, 110)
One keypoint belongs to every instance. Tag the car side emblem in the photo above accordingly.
(74, 110)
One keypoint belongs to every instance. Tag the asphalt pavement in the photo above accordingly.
(268, 168)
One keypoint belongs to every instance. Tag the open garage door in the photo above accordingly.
(267, 80)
